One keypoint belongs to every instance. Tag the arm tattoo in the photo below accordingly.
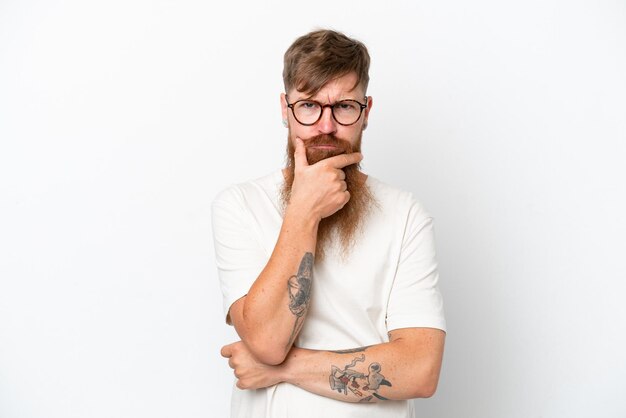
(299, 288)
(363, 386)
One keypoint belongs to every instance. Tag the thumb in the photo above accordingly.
(300, 153)
(226, 351)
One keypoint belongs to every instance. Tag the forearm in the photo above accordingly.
(389, 371)
(269, 318)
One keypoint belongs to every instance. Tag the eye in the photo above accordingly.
(346, 106)
(307, 105)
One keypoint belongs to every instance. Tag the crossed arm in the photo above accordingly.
(406, 367)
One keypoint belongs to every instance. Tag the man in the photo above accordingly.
(328, 275)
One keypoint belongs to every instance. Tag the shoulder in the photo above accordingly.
(237, 194)
(392, 199)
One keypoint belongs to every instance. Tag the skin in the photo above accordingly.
(265, 356)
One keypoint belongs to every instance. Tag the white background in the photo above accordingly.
(121, 120)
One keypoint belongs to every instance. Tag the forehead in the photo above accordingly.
(336, 89)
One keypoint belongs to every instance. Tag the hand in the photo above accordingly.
(320, 188)
(250, 373)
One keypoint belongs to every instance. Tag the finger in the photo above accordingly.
(343, 160)
(344, 186)
(300, 153)
(342, 174)
(226, 351)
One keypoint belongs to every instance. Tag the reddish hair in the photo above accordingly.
(318, 57)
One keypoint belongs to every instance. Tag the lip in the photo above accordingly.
(324, 146)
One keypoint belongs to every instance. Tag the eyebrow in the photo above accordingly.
(311, 99)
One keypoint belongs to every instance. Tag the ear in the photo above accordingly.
(283, 107)
(366, 111)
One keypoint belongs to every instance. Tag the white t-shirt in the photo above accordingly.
(388, 282)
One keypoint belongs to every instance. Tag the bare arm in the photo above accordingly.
(407, 367)
(270, 316)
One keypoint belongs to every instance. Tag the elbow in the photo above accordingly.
(267, 352)
(265, 349)
(423, 390)
(426, 385)
(426, 390)
(271, 357)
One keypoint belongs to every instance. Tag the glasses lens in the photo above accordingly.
(307, 112)
(347, 112)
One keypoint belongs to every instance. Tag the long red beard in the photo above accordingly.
(345, 224)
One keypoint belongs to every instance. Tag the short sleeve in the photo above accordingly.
(238, 254)
(415, 299)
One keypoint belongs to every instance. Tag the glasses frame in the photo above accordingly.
(324, 106)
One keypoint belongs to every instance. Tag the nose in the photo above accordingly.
(327, 124)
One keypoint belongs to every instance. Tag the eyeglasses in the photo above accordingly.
(309, 112)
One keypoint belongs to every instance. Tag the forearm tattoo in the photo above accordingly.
(299, 288)
(362, 385)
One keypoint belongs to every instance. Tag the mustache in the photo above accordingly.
(329, 139)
